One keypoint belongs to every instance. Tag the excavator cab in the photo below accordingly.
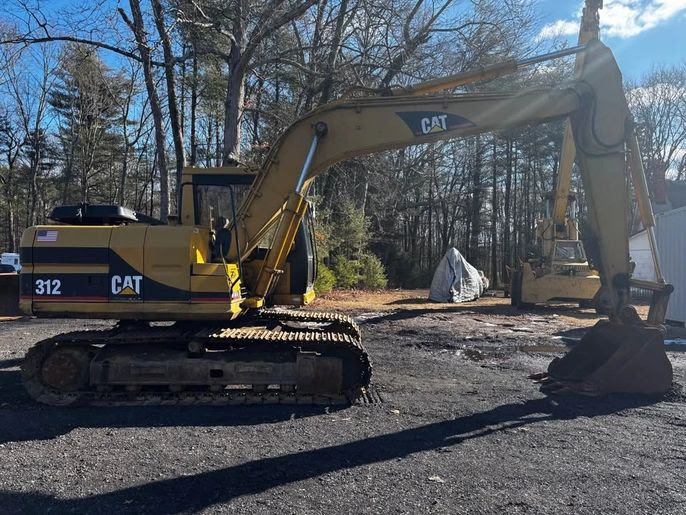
(209, 195)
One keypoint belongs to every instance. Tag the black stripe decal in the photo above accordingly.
(57, 286)
(26, 284)
(26, 254)
(80, 255)
(223, 180)
(87, 285)
(211, 295)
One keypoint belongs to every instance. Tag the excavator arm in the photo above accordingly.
(623, 354)
(347, 128)
(589, 30)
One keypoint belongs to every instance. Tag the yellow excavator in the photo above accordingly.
(190, 295)
(561, 271)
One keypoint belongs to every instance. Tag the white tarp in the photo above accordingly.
(455, 280)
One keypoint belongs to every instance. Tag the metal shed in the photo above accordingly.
(671, 242)
(639, 250)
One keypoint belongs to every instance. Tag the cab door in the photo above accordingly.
(167, 263)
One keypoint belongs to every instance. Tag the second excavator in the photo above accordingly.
(190, 294)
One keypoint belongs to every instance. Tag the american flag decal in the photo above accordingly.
(47, 236)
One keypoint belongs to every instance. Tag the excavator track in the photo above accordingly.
(334, 322)
(265, 362)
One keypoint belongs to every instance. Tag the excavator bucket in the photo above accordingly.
(612, 358)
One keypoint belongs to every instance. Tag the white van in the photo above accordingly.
(11, 258)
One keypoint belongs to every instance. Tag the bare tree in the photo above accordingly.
(138, 29)
(29, 91)
(658, 103)
(245, 25)
(172, 104)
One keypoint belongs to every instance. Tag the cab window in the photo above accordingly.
(212, 202)
(569, 250)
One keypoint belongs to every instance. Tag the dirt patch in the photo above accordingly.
(417, 301)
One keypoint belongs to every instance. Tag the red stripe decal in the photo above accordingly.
(62, 298)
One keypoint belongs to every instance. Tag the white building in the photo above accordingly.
(671, 243)
(639, 250)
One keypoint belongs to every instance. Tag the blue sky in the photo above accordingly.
(641, 33)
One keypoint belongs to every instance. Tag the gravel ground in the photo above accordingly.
(460, 429)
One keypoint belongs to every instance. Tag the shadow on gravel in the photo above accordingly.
(199, 491)
(21, 419)
(10, 363)
(411, 300)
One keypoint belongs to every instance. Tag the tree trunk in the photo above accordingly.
(208, 144)
(333, 53)
(475, 215)
(9, 199)
(127, 146)
(233, 111)
(138, 30)
(218, 145)
(194, 108)
(34, 186)
(313, 61)
(124, 173)
(431, 222)
(494, 217)
(516, 213)
(11, 228)
(507, 246)
(174, 118)
(256, 113)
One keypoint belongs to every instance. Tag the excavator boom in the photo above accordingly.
(589, 30)
(362, 126)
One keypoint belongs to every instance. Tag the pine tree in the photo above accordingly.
(87, 99)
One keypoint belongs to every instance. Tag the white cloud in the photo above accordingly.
(559, 28)
(622, 18)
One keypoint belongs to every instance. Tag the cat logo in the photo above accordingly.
(434, 124)
(424, 123)
(127, 285)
